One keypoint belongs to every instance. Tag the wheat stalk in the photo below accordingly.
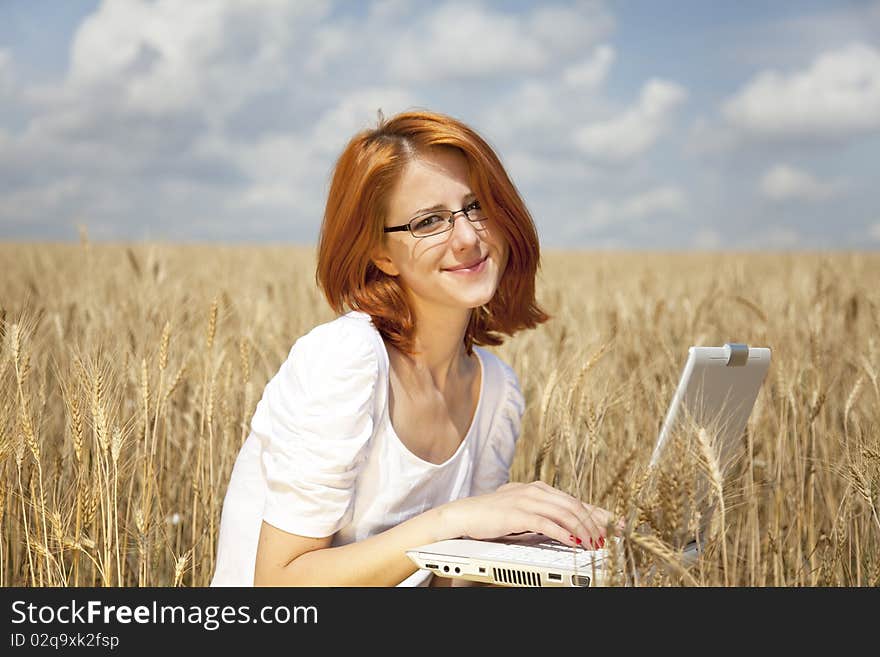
(180, 568)
(792, 526)
(653, 545)
(851, 399)
(712, 469)
(549, 437)
(755, 308)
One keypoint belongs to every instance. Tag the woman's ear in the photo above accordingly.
(383, 262)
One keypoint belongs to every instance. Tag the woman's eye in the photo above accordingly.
(427, 221)
(475, 205)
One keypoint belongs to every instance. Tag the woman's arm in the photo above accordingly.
(285, 559)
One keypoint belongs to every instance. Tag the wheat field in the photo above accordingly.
(129, 373)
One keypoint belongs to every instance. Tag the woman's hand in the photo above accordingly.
(535, 507)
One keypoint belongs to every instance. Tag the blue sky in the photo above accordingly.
(629, 124)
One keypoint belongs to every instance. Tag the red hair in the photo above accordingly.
(357, 204)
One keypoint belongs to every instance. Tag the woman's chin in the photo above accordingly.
(471, 295)
(475, 301)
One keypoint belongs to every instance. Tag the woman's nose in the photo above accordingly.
(462, 229)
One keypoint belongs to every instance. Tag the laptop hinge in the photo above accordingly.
(737, 354)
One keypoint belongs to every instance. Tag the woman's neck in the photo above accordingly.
(439, 346)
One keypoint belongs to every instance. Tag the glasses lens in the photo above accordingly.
(430, 224)
(438, 222)
(476, 214)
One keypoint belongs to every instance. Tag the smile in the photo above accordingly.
(477, 268)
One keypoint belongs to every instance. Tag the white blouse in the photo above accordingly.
(323, 458)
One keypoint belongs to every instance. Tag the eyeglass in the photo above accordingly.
(440, 221)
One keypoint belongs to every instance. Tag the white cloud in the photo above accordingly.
(538, 113)
(166, 57)
(783, 41)
(66, 197)
(591, 72)
(660, 200)
(229, 114)
(388, 9)
(331, 41)
(358, 111)
(280, 168)
(837, 96)
(785, 183)
(466, 40)
(60, 193)
(532, 106)
(270, 163)
(146, 105)
(637, 129)
(707, 138)
(529, 168)
(570, 28)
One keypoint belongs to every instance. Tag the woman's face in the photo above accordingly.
(440, 177)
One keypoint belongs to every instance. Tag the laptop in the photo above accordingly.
(716, 393)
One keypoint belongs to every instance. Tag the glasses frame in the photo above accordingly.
(450, 221)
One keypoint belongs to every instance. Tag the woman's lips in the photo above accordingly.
(470, 270)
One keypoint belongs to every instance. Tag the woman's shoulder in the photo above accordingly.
(342, 347)
(502, 428)
(499, 373)
(352, 332)
(502, 385)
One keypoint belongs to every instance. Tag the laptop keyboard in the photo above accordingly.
(547, 554)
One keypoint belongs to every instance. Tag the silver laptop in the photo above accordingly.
(716, 392)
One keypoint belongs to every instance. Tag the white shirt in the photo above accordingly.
(322, 456)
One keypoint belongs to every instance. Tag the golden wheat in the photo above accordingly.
(115, 460)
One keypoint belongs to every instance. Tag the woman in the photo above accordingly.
(386, 428)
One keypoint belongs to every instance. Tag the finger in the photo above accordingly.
(598, 515)
(595, 517)
(540, 485)
(532, 521)
(578, 525)
(604, 519)
(591, 519)
(552, 530)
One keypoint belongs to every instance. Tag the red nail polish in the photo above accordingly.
(602, 542)
(579, 541)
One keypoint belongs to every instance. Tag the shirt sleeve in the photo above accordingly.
(314, 422)
(493, 466)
